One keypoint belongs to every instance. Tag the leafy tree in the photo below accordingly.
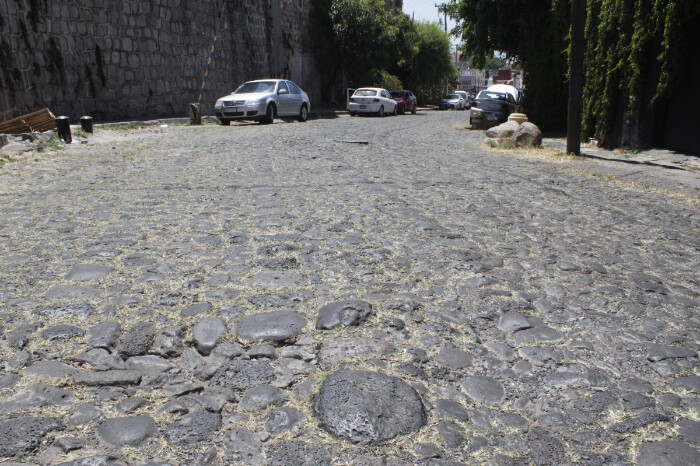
(532, 32)
(432, 63)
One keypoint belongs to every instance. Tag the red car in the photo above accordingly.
(405, 101)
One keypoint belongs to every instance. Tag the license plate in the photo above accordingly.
(363, 106)
(491, 117)
(233, 109)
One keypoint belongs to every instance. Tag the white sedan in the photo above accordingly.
(372, 100)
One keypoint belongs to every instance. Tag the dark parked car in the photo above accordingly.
(406, 101)
(491, 108)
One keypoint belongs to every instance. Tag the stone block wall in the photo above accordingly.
(123, 59)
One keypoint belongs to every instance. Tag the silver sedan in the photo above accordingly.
(263, 101)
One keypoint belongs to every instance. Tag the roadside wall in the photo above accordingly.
(119, 59)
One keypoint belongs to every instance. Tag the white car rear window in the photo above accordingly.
(365, 92)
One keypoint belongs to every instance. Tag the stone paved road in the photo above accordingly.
(345, 291)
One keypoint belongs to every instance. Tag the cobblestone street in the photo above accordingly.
(351, 290)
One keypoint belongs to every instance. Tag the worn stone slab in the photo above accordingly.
(667, 453)
(192, 428)
(277, 279)
(107, 378)
(335, 350)
(85, 272)
(348, 313)
(483, 389)
(270, 326)
(123, 431)
(368, 408)
(22, 436)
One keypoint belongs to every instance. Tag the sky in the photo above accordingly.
(425, 10)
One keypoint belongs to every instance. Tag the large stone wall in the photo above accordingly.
(118, 59)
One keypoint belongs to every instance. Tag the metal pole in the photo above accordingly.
(442, 5)
(575, 113)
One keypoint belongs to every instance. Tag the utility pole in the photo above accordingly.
(575, 114)
(444, 10)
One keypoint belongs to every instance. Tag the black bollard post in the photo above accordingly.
(86, 124)
(195, 114)
(63, 129)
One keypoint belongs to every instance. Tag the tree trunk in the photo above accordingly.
(573, 132)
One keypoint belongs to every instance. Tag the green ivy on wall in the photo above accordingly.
(621, 37)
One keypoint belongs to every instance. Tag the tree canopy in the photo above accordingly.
(372, 47)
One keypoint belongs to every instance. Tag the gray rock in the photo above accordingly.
(168, 342)
(36, 396)
(335, 350)
(300, 454)
(83, 414)
(511, 420)
(282, 419)
(347, 313)
(656, 352)
(237, 376)
(97, 460)
(528, 135)
(635, 423)
(84, 272)
(137, 340)
(123, 431)
(270, 326)
(424, 451)
(577, 376)
(447, 409)
(68, 444)
(545, 448)
(149, 364)
(689, 430)
(105, 335)
(180, 389)
(196, 309)
(513, 321)
(450, 434)
(286, 300)
(193, 428)
(73, 292)
(262, 351)
(259, 397)
(107, 378)
(503, 131)
(483, 389)
(277, 279)
(130, 405)
(67, 310)
(454, 358)
(598, 402)
(226, 351)
(244, 447)
(691, 383)
(667, 453)
(22, 436)
(101, 360)
(536, 335)
(367, 407)
(62, 332)
(207, 332)
(50, 370)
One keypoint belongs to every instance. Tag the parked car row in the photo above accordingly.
(266, 99)
(378, 101)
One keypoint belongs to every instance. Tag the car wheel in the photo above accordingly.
(353, 113)
(396, 110)
(381, 111)
(303, 113)
(269, 115)
(224, 122)
(413, 110)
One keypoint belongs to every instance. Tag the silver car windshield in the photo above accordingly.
(366, 92)
(256, 87)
